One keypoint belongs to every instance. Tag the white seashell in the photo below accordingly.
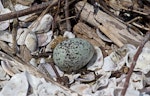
(117, 59)
(31, 42)
(22, 7)
(110, 88)
(21, 35)
(2, 74)
(109, 65)
(1, 6)
(132, 92)
(101, 82)
(33, 62)
(48, 89)
(99, 60)
(143, 62)
(72, 77)
(82, 89)
(42, 88)
(17, 86)
(137, 81)
(34, 82)
(43, 25)
(44, 38)
(7, 68)
(103, 37)
(87, 77)
(6, 36)
(4, 24)
(69, 34)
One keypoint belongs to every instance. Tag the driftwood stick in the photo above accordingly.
(27, 11)
(67, 15)
(14, 35)
(118, 32)
(126, 84)
(32, 70)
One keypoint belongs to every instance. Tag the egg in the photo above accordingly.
(73, 54)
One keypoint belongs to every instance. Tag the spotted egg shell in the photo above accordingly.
(72, 54)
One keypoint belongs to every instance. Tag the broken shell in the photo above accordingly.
(4, 24)
(117, 59)
(31, 42)
(1, 6)
(44, 38)
(82, 89)
(72, 77)
(87, 77)
(7, 68)
(101, 82)
(21, 35)
(6, 36)
(103, 37)
(3, 73)
(97, 64)
(143, 62)
(18, 86)
(73, 54)
(68, 34)
(33, 62)
(136, 81)
(43, 25)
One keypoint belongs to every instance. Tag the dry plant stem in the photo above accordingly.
(14, 35)
(71, 17)
(23, 66)
(134, 19)
(27, 11)
(67, 15)
(56, 72)
(55, 16)
(141, 26)
(135, 11)
(126, 84)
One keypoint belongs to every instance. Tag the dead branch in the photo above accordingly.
(126, 84)
(27, 11)
(67, 15)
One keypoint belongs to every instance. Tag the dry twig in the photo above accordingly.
(14, 35)
(27, 11)
(67, 15)
(126, 84)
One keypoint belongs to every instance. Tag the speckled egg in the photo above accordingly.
(72, 54)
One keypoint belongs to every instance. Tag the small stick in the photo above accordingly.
(14, 35)
(27, 11)
(134, 19)
(56, 72)
(55, 16)
(126, 84)
(141, 26)
(67, 15)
